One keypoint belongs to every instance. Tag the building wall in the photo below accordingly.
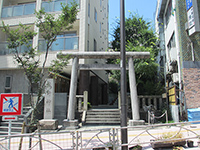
(189, 62)
(187, 56)
(191, 79)
(18, 81)
(87, 29)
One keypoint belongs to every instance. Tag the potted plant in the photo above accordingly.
(168, 140)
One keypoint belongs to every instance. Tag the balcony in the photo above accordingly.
(56, 5)
(18, 10)
(4, 50)
(62, 43)
(29, 8)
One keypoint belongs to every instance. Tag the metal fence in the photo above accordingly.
(145, 136)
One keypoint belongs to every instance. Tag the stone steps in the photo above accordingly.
(103, 116)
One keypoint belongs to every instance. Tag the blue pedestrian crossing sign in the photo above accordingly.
(11, 104)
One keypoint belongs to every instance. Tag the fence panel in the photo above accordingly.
(146, 136)
(43, 141)
(95, 138)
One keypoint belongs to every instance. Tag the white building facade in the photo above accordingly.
(89, 33)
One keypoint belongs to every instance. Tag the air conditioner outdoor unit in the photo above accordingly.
(175, 77)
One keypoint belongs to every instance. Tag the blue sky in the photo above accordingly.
(145, 8)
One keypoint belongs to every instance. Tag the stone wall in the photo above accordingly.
(191, 78)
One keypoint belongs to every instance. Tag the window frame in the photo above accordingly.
(95, 14)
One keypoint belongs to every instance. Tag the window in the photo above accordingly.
(172, 42)
(8, 84)
(95, 45)
(95, 14)
(88, 9)
(65, 41)
(168, 12)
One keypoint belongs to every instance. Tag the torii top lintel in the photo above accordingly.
(106, 55)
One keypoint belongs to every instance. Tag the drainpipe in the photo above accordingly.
(193, 58)
(178, 58)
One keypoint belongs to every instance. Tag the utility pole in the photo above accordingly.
(124, 137)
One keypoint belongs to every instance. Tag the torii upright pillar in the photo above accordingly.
(70, 122)
(134, 97)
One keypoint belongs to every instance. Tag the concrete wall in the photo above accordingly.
(60, 108)
(18, 81)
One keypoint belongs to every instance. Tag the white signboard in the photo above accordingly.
(9, 118)
(190, 14)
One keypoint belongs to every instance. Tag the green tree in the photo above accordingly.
(29, 60)
(139, 37)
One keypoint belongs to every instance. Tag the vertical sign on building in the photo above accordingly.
(190, 13)
(172, 96)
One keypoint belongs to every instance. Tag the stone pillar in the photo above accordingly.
(49, 99)
(73, 87)
(70, 122)
(48, 123)
(134, 97)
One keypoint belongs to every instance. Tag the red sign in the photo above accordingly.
(10, 104)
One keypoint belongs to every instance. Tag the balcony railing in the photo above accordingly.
(56, 5)
(18, 10)
(65, 43)
(28, 9)
(4, 50)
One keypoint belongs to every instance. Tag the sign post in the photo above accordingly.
(10, 107)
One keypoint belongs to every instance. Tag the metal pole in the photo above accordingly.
(124, 137)
(9, 133)
(76, 140)
(114, 142)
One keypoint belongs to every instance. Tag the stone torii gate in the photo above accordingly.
(70, 121)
